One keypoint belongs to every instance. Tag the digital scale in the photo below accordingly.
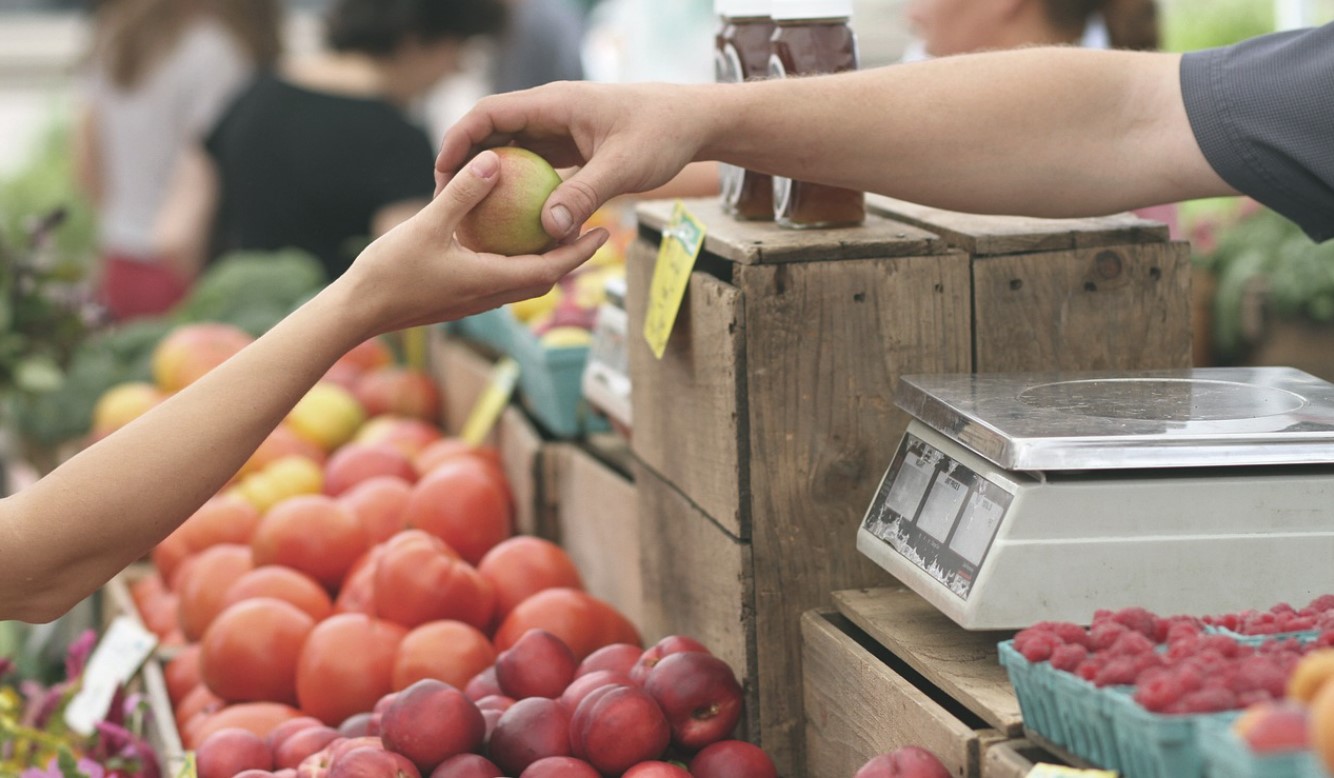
(1019, 498)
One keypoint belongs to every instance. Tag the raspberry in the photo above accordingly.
(1181, 630)
(1208, 700)
(1072, 633)
(1131, 644)
(1118, 672)
(1222, 644)
(1068, 657)
(1326, 639)
(1149, 662)
(1138, 619)
(1282, 608)
(1159, 693)
(1089, 668)
(1258, 673)
(1038, 647)
(1104, 634)
(1324, 602)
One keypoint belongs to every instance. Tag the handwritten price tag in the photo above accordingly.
(493, 400)
(116, 659)
(681, 241)
(1054, 771)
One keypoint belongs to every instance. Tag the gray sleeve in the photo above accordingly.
(1263, 113)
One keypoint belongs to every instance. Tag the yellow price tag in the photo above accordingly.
(681, 241)
(1058, 771)
(188, 766)
(493, 400)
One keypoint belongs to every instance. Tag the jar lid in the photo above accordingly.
(742, 9)
(811, 9)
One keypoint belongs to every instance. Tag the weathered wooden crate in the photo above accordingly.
(596, 520)
(766, 426)
(1106, 293)
(887, 670)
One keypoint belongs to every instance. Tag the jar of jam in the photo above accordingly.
(741, 53)
(813, 37)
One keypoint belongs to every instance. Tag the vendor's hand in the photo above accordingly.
(624, 139)
(417, 273)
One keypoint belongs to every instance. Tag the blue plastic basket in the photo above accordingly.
(1305, 636)
(1227, 756)
(1153, 745)
(1063, 708)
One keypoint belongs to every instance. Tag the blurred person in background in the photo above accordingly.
(949, 27)
(321, 154)
(159, 73)
(541, 43)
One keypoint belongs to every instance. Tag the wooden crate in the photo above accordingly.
(770, 418)
(595, 511)
(1107, 293)
(887, 670)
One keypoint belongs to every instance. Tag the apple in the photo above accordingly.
(656, 770)
(370, 762)
(906, 762)
(286, 729)
(301, 744)
(531, 729)
(616, 727)
(618, 657)
(356, 725)
(429, 722)
(732, 759)
(584, 685)
(398, 391)
(508, 221)
(672, 644)
(357, 462)
(483, 684)
(700, 696)
(539, 664)
(560, 767)
(467, 766)
(229, 751)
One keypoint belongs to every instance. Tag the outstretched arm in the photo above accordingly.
(72, 531)
(1042, 131)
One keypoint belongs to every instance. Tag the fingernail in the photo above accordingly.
(603, 238)
(485, 165)
(561, 216)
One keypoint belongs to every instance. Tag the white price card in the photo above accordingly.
(1058, 771)
(114, 662)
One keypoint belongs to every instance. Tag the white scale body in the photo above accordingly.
(1014, 499)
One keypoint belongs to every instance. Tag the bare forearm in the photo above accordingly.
(111, 503)
(1045, 132)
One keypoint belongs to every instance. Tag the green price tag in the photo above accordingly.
(488, 407)
(681, 241)
(1057, 771)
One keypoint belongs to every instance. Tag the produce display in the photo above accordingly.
(354, 603)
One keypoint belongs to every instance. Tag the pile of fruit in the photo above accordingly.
(356, 588)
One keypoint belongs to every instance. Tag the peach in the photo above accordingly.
(560, 767)
(700, 696)
(229, 751)
(407, 434)
(617, 727)
(281, 443)
(380, 505)
(122, 404)
(467, 766)
(585, 685)
(539, 664)
(300, 744)
(530, 730)
(371, 762)
(1273, 726)
(429, 722)
(659, 770)
(356, 725)
(1310, 674)
(357, 462)
(399, 391)
(1322, 725)
(288, 728)
(508, 221)
(484, 684)
(732, 759)
(448, 651)
(190, 351)
(906, 762)
(618, 658)
(328, 416)
(672, 644)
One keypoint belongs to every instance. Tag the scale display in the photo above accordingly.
(937, 513)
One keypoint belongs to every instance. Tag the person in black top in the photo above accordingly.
(320, 155)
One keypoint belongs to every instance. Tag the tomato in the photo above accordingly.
(448, 651)
(380, 505)
(182, 673)
(346, 665)
(584, 622)
(418, 579)
(204, 581)
(199, 700)
(311, 533)
(226, 518)
(250, 651)
(523, 566)
(461, 503)
(168, 555)
(281, 583)
(357, 594)
(445, 449)
(257, 717)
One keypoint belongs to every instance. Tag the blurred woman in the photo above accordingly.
(159, 74)
(321, 155)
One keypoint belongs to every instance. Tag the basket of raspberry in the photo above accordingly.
(1279, 622)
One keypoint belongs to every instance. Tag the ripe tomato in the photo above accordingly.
(182, 673)
(281, 583)
(445, 449)
(448, 651)
(523, 566)
(168, 555)
(204, 582)
(346, 665)
(257, 717)
(198, 700)
(418, 579)
(226, 518)
(461, 503)
(311, 533)
(250, 651)
(380, 505)
(357, 594)
(584, 622)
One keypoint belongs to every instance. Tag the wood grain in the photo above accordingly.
(522, 452)
(1014, 759)
(825, 344)
(965, 665)
(697, 581)
(984, 235)
(597, 525)
(1114, 308)
(858, 707)
(688, 423)
(765, 243)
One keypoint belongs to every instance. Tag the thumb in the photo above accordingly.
(465, 190)
(575, 200)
